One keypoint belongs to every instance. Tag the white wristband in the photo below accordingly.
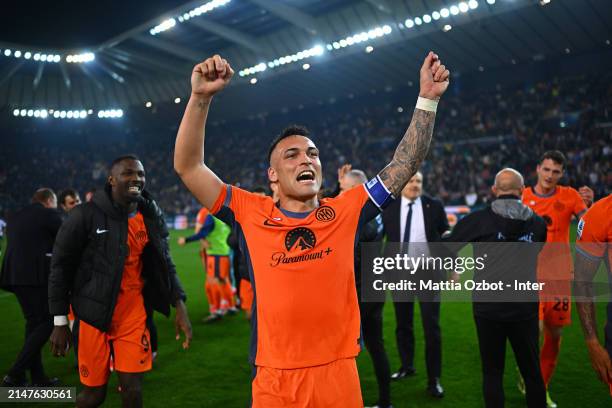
(60, 320)
(427, 104)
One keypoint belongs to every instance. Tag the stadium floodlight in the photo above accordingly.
(544, 2)
(427, 18)
(17, 54)
(37, 56)
(22, 112)
(444, 12)
(69, 114)
(253, 81)
(409, 23)
(83, 114)
(27, 55)
(435, 15)
(418, 21)
(177, 100)
(43, 114)
(62, 114)
(454, 10)
(30, 113)
(56, 114)
(447, 28)
(369, 49)
(491, 2)
(7, 52)
(16, 112)
(148, 104)
(36, 113)
(43, 57)
(463, 7)
(473, 4)
(185, 16)
(306, 66)
(318, 50)
(80, 58)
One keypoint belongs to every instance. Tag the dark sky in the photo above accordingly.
(75, 24)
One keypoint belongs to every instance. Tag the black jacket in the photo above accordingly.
(506, 220)
(434, 216)
(89, 255)
(436, 224)
(31, 233)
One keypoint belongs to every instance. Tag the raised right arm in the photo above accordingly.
(207, 78)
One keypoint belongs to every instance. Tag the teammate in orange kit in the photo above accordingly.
(214, 233)
(557, 205)
(594, 243)
(300, 250)
(111, 262)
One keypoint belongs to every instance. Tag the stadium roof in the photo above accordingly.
(297, 51)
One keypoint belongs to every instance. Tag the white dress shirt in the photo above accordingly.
(417, 225)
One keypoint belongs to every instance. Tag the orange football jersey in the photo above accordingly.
(305, 310)
(595, 230)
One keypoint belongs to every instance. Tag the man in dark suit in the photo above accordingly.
(25, 270)
(417, 218)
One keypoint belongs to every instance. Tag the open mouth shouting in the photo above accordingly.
(306, 177)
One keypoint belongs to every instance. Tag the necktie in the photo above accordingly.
(408, 223)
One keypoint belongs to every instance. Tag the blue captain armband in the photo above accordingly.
(378, 192)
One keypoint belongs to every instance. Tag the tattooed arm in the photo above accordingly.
(413, 147)
(585, 271)
(207, 79)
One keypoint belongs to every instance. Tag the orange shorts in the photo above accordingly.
(557, 313)
(217, 266)
(129, 345)
(333, 385)
(246, 295)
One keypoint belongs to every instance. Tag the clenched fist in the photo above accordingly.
(211, 76)
(433, 77)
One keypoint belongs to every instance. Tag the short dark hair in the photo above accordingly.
(42, 195)
(554, 155)
(122, 158)
(292, 130)
(69, 192)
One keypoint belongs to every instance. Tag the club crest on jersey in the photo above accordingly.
(325, 214)
(580, 228)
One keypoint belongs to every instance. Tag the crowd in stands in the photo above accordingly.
(476, 134)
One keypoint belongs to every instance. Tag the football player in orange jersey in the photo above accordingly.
(300, 250)
(594, 243)
(557, 205)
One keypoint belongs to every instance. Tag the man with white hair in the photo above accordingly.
(506, 220)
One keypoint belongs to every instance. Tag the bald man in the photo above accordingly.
(508, 220)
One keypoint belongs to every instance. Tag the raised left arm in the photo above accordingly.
(413, 147)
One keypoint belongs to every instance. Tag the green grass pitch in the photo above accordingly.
(214, 372)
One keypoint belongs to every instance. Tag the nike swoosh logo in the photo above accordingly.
(269, 224)
(99, 231)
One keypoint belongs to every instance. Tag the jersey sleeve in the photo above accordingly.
(202, 216)
(579, 207)
(234, 204)
(592, 233)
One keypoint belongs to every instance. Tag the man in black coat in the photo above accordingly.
(517, 234)
(418, 218)
(111, 262)
(25, 270)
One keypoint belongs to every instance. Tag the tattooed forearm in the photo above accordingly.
(585, 270)
(410, 152)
